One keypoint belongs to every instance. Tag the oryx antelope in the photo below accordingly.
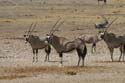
(91, 39)
(105, 1)
(36, 44)
(104, 24)
(114, 41)
(62, 45)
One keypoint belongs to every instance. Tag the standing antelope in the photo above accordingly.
(36, 44)
(62, 45)
(105, 1)
(112, 42)
(91, 39)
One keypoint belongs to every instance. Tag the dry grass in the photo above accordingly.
(12, 76)
(22, 72)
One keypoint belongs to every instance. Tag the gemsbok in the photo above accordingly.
(105, 1)
(36, 44)
(113, 41)
(91, 39)
(62, 45)
(104, 25)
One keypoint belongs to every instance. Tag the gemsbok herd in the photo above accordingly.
(64, 45)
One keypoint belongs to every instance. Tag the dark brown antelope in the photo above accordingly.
(114, 41)
(62, 45)
(105, 1)
(36, 44)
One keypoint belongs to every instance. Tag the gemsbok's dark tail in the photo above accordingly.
(82, 53)
(85, 50)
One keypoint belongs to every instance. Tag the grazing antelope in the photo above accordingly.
(91, 39)
(112, 42)
(62, 45)
(105, 1)
(36, 44)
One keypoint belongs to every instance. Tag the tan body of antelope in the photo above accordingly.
(36, 44)
(62, 45)
(91, 39)
(114, 41)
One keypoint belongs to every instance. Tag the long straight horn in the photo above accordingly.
(29, 28)
(54, 25)
(58, 26)
(33, 28)
(111, 23)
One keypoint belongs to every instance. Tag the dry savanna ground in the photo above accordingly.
(79, 16)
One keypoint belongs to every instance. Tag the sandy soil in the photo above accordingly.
(16, 64)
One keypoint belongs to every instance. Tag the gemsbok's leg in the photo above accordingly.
(123, 57)
(121, 51)
(83, 54)
(46, 57)
(111, 53)
(49, 51)
(33, 55)
(79, 60)
(61, 57)
(78, 52)
(93, 48)
(36, 55)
